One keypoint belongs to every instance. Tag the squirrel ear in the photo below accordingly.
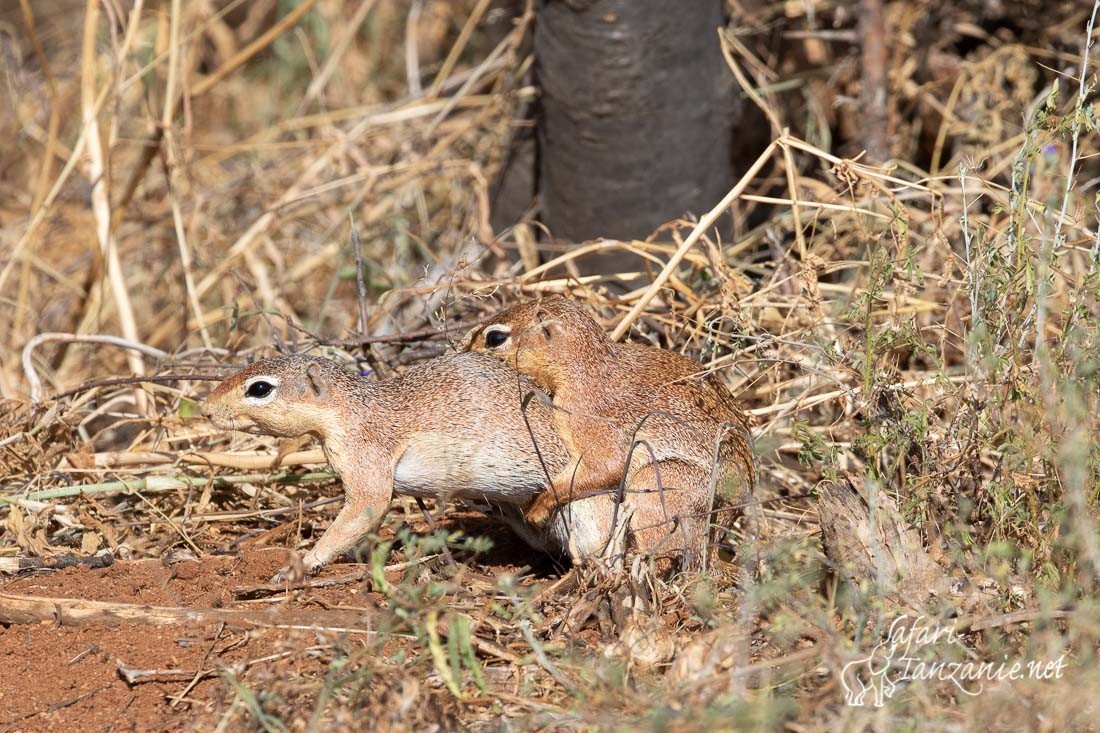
(316, 380)
(550, 329)
(467, 341)
(547, 324)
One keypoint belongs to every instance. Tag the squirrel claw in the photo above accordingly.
(295, 572)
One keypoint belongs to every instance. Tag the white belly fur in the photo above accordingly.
(436, 464)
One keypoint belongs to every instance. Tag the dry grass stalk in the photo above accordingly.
(876, 320)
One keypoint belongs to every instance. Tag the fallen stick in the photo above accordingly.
(249, 593)
(159, 484)
(119, 459)
(21, 609)
(1025, 615)
(12, 565)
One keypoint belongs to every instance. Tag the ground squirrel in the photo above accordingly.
(613, 395)
(451, 426)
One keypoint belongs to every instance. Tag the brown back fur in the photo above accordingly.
(611, 394)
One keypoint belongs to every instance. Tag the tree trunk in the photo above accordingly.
(636, 115)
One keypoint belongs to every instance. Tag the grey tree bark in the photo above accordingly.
(636, 115)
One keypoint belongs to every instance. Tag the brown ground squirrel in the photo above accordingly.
(613, 395)
(451, 426)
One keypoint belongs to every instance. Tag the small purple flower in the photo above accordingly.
(365, 372)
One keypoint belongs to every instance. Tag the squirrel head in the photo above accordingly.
(285, 396)
(541, 338)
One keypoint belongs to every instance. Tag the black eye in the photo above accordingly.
(494, 339)
(259, 389)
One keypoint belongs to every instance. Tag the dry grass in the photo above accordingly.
(931, 328)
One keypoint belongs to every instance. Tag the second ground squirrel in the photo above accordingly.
(625, 401)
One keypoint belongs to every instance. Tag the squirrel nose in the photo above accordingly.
(205, 409)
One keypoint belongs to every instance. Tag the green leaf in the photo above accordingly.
(189, 408)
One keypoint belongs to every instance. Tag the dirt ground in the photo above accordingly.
(70, 675)
(66, 674)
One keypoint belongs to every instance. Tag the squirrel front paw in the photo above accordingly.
(296, 571)
(541, 509)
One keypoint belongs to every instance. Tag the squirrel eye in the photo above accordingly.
(259, 389)
(496, 338)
